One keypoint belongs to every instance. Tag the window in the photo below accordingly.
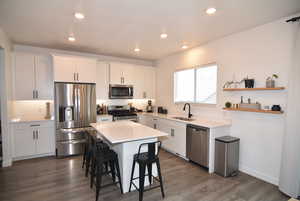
(197, 85)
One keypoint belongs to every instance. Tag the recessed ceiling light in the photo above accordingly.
(79, 16)
(71, 38)
(211, 11)
(137, 49)
(184, 46)
(163, 36)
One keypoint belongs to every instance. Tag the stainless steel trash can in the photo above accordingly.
(227, 156)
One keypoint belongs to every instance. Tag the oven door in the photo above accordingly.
(120, 91)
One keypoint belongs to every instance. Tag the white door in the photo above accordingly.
(86, 69)
(43, 140)
(44, 77)
(24, 143)
(116, 73)
(24, 76)
(64, 69)
(102, 80)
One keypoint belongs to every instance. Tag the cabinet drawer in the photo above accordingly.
(27, 125)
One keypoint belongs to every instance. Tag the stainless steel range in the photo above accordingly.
(122, 112)
(75, 109)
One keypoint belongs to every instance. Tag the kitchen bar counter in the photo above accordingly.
(125, 131)
(125, 137)
(204, 122)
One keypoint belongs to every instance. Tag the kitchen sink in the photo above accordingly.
(184, 118)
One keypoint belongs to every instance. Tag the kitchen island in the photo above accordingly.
(125, 137)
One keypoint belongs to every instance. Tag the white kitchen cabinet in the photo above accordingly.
(24, 143)
(86, 70)
(74, 69)
(176, 141)
(102, 80)
(33, 77)
(33, 139)
(121, 73)
(144, 82)
(149, 82)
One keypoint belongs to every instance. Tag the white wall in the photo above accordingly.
(6, 94)
(258, 53)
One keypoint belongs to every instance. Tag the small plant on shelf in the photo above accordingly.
(270, 82)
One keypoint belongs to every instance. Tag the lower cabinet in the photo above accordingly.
(33, 139)
(175, 142)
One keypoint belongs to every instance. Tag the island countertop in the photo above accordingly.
(125, 131)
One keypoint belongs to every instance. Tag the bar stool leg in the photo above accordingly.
(160, 178)
(132, 173)
(87, 165)
(119, 175)
(142, 170)
(149, 167)
(84, 156)
(113, 171)
(99, 179)
(92, 175)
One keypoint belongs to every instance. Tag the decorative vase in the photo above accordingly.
(270, 83)
(276, 108)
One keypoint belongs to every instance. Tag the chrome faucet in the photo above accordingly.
(190, 115)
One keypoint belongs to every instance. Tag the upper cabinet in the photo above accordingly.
(33, 77)
(74, 69)
(121, 73)
(102, 80)
(141, 77)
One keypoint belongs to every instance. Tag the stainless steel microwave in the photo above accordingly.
(117, 91)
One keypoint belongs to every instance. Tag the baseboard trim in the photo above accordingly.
(7, 163)
(34, 156)
(259, 175)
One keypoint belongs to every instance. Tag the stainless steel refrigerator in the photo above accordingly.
(75, 109)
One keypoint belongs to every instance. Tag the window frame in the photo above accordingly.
(195, 84)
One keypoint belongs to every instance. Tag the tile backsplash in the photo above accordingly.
(31, 109)
(37, 109)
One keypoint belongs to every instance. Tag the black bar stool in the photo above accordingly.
(147, 159)
(86, 149)
(110, 157)
(98, 149)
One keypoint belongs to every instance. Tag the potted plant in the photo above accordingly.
(270, 82)
(249, 83)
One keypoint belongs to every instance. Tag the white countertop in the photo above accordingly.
(125, 131)
(204, 122)
(29, 119)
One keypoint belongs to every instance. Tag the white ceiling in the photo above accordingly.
(116, 27)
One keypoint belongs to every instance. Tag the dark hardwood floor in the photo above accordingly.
(50, 179)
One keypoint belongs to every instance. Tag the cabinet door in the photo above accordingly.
(86, 69)
(64, 69)
(24, 143)
(44, 77)
(24, 76)
(102, 80)
(116, 73)
(43, 140)
(179, 138)
(138, 82)
(129, 74)
(149, 82)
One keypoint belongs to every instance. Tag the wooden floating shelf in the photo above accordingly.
(253, 110)
(254, 89)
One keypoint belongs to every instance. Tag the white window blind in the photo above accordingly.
(197, 85)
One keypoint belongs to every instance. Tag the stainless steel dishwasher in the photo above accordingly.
(197, 144)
